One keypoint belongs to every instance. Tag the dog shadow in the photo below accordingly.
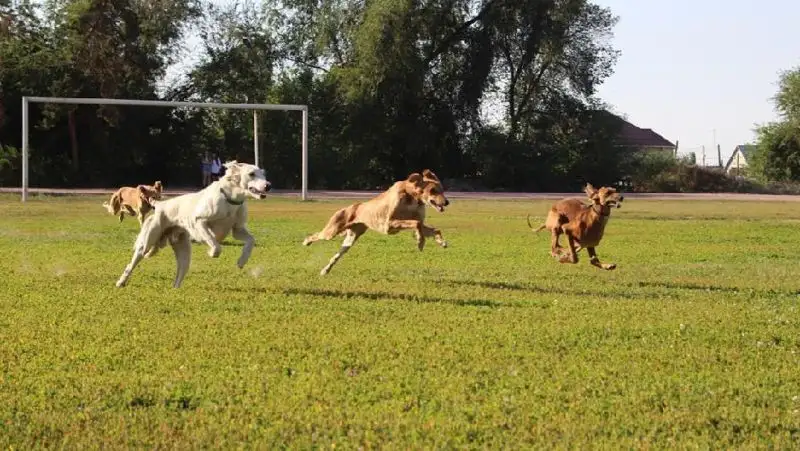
(383, 295)
(615, 294)
(709, 288)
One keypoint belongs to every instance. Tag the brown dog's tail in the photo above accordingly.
(535, 230)
(114, 204)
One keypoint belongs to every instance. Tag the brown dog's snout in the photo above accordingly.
(621, 197)
(446, 202)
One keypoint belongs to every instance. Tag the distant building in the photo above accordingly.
(644, 139)
(740, 159)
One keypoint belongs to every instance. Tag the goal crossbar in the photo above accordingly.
(255, 107)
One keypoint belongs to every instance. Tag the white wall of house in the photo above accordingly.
(738, 163)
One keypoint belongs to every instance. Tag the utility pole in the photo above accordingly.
(719, 154)
(714, 137)
(703, 153)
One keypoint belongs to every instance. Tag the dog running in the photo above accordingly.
(134, 201)
(206, 216)
(584, 225)
(401, 207)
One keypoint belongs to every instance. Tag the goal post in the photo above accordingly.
(255, 107)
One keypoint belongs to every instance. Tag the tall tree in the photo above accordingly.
(546, 48)
(777, 154)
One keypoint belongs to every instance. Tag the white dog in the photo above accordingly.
(206, 216)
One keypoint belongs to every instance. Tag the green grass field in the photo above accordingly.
(694, 341)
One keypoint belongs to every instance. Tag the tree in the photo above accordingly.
(546, 48)
(90, 48)
(777, 155)
(787, 100)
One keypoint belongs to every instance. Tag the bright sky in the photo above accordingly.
(701, 72)
(689, 67)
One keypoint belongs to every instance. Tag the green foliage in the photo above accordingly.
(8, 158)
(661, 173)
(690, 343)
(392, 86)
(788, 97)
(777, 156)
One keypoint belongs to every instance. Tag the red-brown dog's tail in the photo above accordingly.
(531, 226)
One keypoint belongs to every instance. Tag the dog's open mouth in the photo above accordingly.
(261, 194)
(439, 208)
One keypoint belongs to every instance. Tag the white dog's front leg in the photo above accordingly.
(243, 235)
(206, 235)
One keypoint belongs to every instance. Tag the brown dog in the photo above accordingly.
(582, 224)
(401, 207)
(134, 201)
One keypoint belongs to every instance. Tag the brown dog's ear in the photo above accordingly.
(143, 194)
(415, 178)
(590, 190)
(428, 174)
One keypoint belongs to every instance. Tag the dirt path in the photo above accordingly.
(325, 194)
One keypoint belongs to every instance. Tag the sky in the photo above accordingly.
(691, 70)
(699, 72)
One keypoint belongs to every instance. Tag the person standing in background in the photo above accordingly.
(205, 165)
(216, 167)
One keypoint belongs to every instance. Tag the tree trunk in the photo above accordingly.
(73, 139)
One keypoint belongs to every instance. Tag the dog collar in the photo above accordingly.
(230, 201)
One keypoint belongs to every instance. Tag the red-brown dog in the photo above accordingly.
(583, 225)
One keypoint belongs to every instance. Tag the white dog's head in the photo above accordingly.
(247, 177)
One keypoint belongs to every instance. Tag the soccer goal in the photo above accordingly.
(255, 107)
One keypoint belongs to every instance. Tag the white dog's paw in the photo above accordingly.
(121, 283)
(324, 271)
(307, 241)
(215, 251)
(443, 244)
(240, 263)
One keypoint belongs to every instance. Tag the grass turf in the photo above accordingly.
(694, 341)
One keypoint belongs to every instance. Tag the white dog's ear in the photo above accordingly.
(230, 164)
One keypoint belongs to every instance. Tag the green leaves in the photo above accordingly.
(777, 156)
(788, 97)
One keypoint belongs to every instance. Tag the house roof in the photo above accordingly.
(745, 149)
(631, 135)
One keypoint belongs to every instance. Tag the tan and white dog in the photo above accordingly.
(401, 207)
(134, 201)
(206, 216)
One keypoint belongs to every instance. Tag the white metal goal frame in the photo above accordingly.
(255, 107)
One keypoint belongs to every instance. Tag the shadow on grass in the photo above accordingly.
(712, 288)
(605, 293)
(378, 295)
(615, 294)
